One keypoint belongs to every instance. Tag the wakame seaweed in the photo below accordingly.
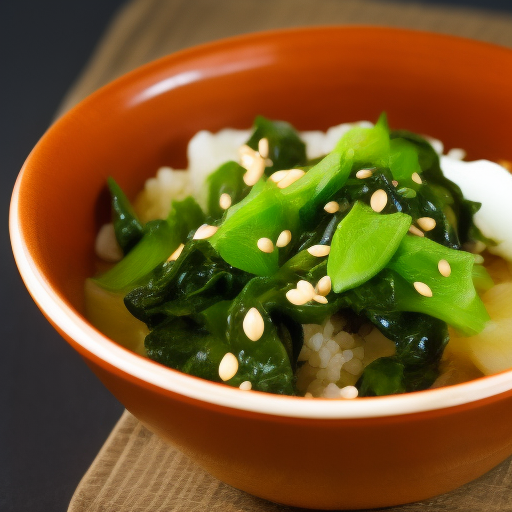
(195, 304)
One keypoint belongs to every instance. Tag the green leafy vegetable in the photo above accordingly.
(286, 149)
(155, 246)
(362, 245)
(127, 226)
(195, 306)
(227, 179)
(454, 298)
(185, 216)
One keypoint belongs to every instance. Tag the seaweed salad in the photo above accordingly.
(371, 233)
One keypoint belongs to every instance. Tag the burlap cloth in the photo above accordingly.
(135, 471)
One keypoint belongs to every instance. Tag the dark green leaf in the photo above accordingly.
(127, 226)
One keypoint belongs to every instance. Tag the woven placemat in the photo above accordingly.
(137, 472)
(134, 470)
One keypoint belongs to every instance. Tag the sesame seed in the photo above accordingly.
(444, 268)
(319, 250)
(246, 385)
(332, 207)
(253, 324)
(364, 173)
(416, 178)
(423, 289)
(176, 254)
(292, 176)
(263, 147)
(426, 223)
(205, 231)
(349, 392)
(308, 395)
(479, 259)
(245, 150)
(277, 176)
(265, 245)
(378, 200)
(247, 160)
(323, 286)
(306, 288)
(254, 171)
(395, 183)
(225, 201)
(296, 297)
(284, 238)
(320, 298)
(228, 367)
(415, 231)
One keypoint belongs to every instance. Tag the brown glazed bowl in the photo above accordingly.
(331, 454)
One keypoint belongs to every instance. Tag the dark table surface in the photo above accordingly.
(54, 414)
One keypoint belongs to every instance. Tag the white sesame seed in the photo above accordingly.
(332, 207)
(479, 259)
(395, 183)
(364, 173)
(263, 147)
(415, 231)
(253, 324)
(277, 176)
(265, 245)
(225, 201)
(308, 395)
(306, 288)
(245, 150)
(426, 223)
(378, 200)
(416, 178)
(349, 392)
(444, 268)
(176, 254)
(296, 297)
(319, 250)
(247, 160)
(423, 289)
(246, 385)
(320, 298)
(292, 176)
(323, 286)
(254, 171)
(205, 231)
(284, 238)
(228, 367)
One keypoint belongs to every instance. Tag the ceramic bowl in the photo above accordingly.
(370, 452)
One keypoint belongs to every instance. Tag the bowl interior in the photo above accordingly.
(453, 89)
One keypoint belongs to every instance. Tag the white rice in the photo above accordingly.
(332, 359)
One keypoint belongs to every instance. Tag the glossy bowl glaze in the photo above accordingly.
(370, 452)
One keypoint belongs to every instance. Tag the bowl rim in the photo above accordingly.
(111, 354)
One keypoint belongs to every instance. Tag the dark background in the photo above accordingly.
(54, 414)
